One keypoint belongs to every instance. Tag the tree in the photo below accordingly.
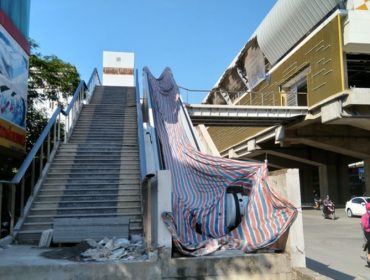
(50, 78)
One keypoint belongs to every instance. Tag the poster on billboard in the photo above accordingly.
(13, 93)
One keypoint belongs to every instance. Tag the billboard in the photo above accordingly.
(13, 93)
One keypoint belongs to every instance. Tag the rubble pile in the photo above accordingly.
(115, 249)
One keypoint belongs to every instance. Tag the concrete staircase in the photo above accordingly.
(96, 174)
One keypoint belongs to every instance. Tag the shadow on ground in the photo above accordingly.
(325, 270)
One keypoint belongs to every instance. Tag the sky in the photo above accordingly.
(197, 39)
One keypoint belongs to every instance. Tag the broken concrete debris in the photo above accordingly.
(115, 249)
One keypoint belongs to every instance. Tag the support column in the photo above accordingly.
(367, 176)
(286, 182)
(323, 181)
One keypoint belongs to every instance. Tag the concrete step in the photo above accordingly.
(91, 126)
(108, 139)
(99, 177)
(100, 131)
(89, 185)
(124, 150)
(40, 226)
(98, 156)
(50, 217)
(117, 129)
(119, 196)
(73, 192)
(97, 135)
(32, 229)
(94, 166)
(121, 161)
(98, 153)
(130, 173)
(84, 204)
(87, 170)
(96, 147)
(87, 210)
(134, 180)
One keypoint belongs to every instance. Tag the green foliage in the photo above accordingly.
(50, 78)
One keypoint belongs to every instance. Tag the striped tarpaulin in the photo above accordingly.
(197, 222)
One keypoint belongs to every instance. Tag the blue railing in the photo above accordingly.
(26, 183)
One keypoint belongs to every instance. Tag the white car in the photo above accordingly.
(356, 206)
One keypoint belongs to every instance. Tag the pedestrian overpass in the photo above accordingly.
(239, 115)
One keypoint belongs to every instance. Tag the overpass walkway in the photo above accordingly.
(240, 115)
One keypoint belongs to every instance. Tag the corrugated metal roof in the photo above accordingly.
(288, 22)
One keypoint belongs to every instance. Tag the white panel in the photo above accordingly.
(118, 69)
(288, 22)
(357, 32)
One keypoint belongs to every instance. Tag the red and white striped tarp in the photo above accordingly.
(200, 181)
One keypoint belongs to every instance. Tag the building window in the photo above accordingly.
(294, 91)
(358, 70)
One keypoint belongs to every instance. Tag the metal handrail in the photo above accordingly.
(143, 170)
(81, 86)
(94, 74)
(93, 81)
(39, 158)
(31, 155)
(151, 130)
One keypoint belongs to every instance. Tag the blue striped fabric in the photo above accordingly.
(200, 182)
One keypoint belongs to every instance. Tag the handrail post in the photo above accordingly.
(41, 158)
(12, 207)
(66, 128)
(22, 195)
(1, 204)
(59, 127)
(33, 173)
(55, 133)
(48, 147)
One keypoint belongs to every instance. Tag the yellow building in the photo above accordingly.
(313, 54)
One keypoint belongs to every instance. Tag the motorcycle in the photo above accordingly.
(328, 210)
(317, 204)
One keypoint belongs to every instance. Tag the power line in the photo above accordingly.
(194, 90)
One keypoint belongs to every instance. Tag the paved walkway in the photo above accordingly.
(334, 248)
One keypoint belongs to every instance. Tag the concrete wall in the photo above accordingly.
(26, 263)
(118, 69)
(286, 183)
(157, 197)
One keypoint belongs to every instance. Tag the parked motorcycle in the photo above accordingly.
(328, 209)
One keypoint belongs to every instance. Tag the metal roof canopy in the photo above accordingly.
(238, 115)
(287, 22)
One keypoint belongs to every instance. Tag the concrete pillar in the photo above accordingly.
(343, 188)
(367, 176)
(323, 181)
(164, 199)
(286, 182)
(206, 140)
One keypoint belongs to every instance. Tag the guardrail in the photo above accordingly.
(26, 183)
